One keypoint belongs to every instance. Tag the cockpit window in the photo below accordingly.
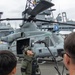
(57, 38)
(48, 41)
(51, 43)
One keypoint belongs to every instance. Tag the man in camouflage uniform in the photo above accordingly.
(26, 68)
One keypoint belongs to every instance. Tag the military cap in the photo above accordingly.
(25, 49)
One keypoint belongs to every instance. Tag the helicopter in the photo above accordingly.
(28, 34)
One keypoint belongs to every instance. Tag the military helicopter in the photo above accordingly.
(28, 34)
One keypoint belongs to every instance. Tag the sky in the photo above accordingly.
(14, 8)
(67, 6)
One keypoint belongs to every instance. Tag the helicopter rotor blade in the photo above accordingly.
(43, 5)
(8, 19)
(62, 23)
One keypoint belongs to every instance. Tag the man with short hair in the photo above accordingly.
(69, 56)
(8, 63)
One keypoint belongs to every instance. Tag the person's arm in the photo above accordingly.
(24, 67)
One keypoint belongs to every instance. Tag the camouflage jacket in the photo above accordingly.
(26, 68)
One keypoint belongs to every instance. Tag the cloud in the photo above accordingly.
(67, 6)
(9, 6)
(12, 9)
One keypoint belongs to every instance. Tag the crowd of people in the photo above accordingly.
(8, 61)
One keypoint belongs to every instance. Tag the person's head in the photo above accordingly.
(69, 47)
(29, 53)
(8, 63)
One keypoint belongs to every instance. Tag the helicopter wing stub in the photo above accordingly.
(41, 7)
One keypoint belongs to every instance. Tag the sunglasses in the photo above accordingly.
(69, 55)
